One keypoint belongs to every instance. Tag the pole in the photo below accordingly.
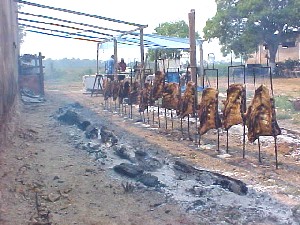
(201, 59)
(155, 60)
(142, 56)
(192, 36)
(116, 58)
(97, 58)
(41, 75)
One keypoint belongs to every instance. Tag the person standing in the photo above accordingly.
(110, 67)
(122, 65)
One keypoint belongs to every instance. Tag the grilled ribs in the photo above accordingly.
(107, 88)
(144, 97)
(186, 103)
(115, 89)
(134, 95)
(171, 96)
(157, 88)
(234, 106)
(124, 90)
(208, 111)
(260, 116)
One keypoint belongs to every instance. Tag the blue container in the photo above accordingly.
(172, 77)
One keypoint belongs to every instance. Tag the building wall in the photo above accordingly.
(8, 62)
(282, 54)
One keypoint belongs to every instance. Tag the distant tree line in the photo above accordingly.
(69, 69)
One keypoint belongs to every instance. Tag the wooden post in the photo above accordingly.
(41, 74)
(192, 36)
(201, 58)
(116, 58)
(155, 60)
(98, 45)
(142, 56)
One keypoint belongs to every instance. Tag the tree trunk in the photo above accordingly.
(272, 56)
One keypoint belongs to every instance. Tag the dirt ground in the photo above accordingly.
(51, 173)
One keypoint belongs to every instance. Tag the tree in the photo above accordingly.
(170, 29)
(241, 25)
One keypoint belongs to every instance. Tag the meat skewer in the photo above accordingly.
(124, 92)
(144, 99)
(186, 103)
(107, 90)
(208, 111)
(134, 95)
(157, 90)
(170, 98)
(260, 116)
(233, 110)
(115, 91)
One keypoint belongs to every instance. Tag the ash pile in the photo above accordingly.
(213, 196)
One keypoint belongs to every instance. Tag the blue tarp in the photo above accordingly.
(151, 41)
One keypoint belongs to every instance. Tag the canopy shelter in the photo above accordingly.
(151, 41)
(62, 26)
(111, 30)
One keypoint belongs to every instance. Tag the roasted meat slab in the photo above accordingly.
(260, 116)
(134, 95)
(186, 103)
(208, 110)
(234, 106)
(171, 96)
(107, 88)
(124, 90)
(144, 97)
(158, 86)
(115, 89)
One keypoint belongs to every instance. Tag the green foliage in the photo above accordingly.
(242, 25)
(283, 102)
(285, 109)
(170, 29)
(287, 65)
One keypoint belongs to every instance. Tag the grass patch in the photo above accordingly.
(283, 116)
(284, 104)
(285, 109)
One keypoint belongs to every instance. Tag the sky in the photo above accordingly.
(150, 13)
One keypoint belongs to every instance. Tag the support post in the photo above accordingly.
(142, 56)
(201, 59)
(192, 36)
(116, 58)
(41, 75)
(98, 44)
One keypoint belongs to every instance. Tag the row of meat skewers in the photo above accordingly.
(259, 117)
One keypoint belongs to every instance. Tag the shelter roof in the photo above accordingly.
(152, 41)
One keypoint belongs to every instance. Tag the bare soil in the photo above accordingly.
(48, 175)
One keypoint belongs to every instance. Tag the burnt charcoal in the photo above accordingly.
(69, 117)
(235, 186)
(76, 105)
(146, 162)
(83, 125)
(140, 153)
(108, 136)
(183, 167)
(129, 170)
(148, 180)
(195, 204)
(91, 132)
(122, 152)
